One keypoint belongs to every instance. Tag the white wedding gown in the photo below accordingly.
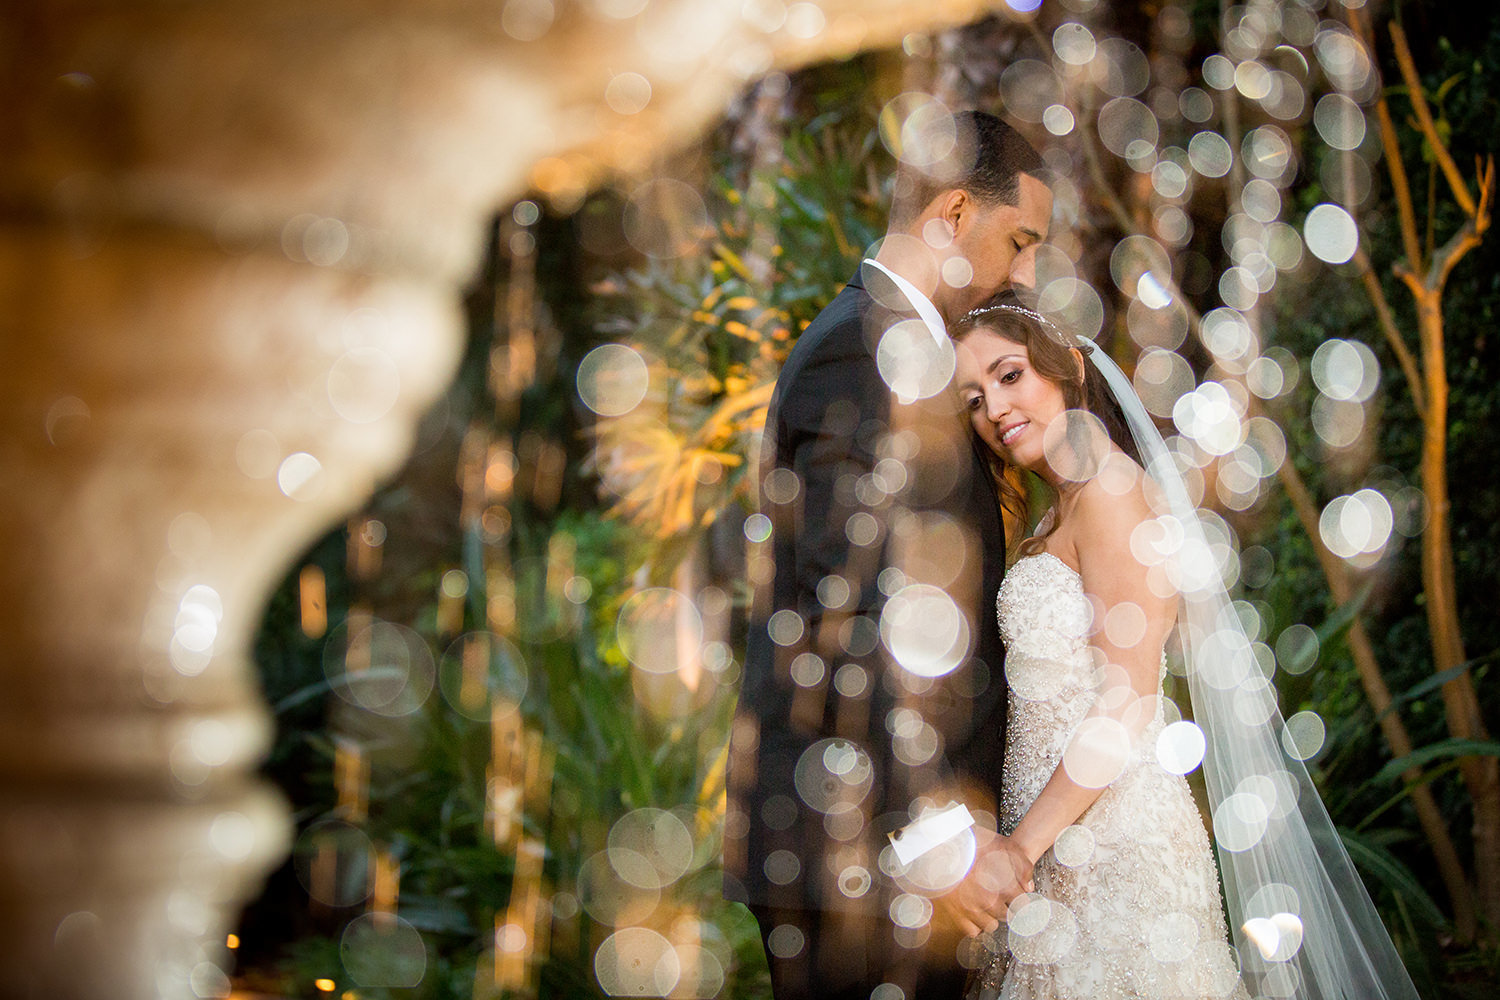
(1127, 902)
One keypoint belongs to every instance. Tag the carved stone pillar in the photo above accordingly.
(231, 239)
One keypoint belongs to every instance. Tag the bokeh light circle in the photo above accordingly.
(1074, 44)
(918, 129)
(637, 962)
(479, 667)
(1240, 821)
(1072, 305)
(1040, 930)
(607, 897)
(1161, 378)
(1058, 119)
(1097, 753)
(1169, 179)
(1195, 105)
(1340, 122)
(1210, 154)
(650, 848)
(1173, 936)
(383, 950)
(1297, 649)
(1127, 72)
(1345, 370)
(1209, 417)
(613, 379)
(379, 666)
(1074, 846)
(941, 868)
(1075, 445)
(1053, 264)
(658, 629)
(1218, 72)
(300, 476)
(1268, 154)
(924, 630)
(1303, 734)
(914, 363)
(1029, 88)
(1125, 122)
(1180, 747)
(833, 776)
(1345, 61)
(1253, 80)
(1357, 525)
(666, 218)
(627, 93)
(1331, 233)
(332, 861)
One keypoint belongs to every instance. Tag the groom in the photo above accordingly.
(874, 696)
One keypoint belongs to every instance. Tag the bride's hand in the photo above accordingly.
(977, 905)
(1022, 869)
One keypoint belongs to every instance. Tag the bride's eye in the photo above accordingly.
(973, 402)
(1006, 378)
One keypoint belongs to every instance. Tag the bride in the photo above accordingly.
(1127, 900)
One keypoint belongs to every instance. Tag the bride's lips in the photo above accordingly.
(1009, 433)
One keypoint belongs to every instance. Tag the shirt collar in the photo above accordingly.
(921, 303)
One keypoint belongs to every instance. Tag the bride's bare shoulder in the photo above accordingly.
(1120, 492)
(1110, 507)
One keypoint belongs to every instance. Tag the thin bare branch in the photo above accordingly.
(1393, 337)
(1400, 184)
(1450, 253)
(1424, 121)
(1446, 258)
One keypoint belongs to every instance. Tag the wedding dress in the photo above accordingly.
(1127, 901)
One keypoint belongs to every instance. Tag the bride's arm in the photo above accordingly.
(1130, 626)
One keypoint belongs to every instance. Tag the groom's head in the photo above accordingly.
(976, 194)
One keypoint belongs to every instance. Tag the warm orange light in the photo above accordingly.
(326, 985)
(233, 941)
(313, 592)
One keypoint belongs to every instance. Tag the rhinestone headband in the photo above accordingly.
(1030, 314)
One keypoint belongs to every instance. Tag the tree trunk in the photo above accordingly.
(1481, 775)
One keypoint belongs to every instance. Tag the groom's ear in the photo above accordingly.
(954, 206)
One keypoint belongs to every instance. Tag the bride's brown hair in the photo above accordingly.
(1051, 357)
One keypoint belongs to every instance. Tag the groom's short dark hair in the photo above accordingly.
(979, 153)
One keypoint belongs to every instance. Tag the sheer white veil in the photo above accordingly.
(1300, 917)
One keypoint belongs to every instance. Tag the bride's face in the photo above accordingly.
(1009, 403)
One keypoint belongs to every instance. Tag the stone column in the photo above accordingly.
(232, 236)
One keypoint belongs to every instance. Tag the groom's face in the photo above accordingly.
(1000, 242)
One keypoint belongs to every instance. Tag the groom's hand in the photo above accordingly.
(1022, 870)
(977, 905)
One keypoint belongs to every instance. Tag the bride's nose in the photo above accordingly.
(996, 405)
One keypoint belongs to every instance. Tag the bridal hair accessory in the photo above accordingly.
(1031, 314)
(1301, 919)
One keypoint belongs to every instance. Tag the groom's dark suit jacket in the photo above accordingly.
(825, 759)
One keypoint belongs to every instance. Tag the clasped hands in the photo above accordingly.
(1001, 872)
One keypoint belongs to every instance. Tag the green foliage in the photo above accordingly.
(717, 325)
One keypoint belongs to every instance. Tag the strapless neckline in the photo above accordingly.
(1055, 558)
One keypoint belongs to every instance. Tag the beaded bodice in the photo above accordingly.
(1106, 922)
